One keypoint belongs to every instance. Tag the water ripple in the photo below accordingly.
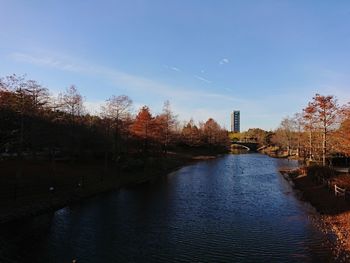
(233, 209)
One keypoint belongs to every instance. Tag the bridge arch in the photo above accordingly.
(241, 146)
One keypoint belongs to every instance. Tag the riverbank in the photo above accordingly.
(46, 186)
(334, 211)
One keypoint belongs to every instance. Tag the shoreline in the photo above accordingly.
(332, 215)
(16, 210)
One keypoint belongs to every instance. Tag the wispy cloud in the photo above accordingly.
(46, 61)
(224, 61)
(202, 79)
(180, 95)
(175, 69)
(130, 81)
(172, 68)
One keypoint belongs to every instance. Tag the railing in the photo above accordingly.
(338, 191)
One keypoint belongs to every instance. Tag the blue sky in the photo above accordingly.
(265, 58)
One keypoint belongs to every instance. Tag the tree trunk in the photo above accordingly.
(310, 146)
(324, 147)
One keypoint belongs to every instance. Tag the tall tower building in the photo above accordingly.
(235, 121)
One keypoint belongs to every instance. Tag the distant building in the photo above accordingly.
(235, 121)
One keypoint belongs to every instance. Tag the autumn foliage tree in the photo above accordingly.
(327, 111)
(142, 127)
(213, 134)
(206, 135)
(257, 135)
(191, 135)
(318, 129)
(342, 135)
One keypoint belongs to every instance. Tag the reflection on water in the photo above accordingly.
(233, 209)
(239, 151)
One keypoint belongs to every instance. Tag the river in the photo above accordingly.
(236, 208)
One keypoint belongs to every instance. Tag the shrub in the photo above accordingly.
(316, 171)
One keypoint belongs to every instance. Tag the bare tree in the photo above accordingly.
(71, 102)
(39, 95)
(288, 127)
(298, 122)
(309, 122)
(169, 122)
(17, 101)
(116, 111)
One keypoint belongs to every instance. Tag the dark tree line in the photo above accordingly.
(34, 124)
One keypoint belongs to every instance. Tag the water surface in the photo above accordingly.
(236, 208)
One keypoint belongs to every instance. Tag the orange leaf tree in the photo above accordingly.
(327, 111)
(142, 127)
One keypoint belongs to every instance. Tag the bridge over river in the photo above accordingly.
(248, 145)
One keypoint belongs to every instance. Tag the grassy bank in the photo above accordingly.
(316, 185)
(32, 187)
